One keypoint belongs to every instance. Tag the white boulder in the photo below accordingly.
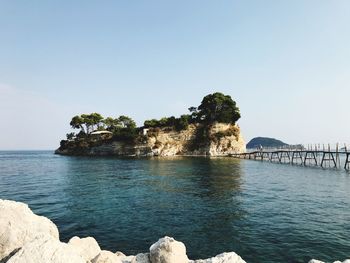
(168, 250)
(44, 249)
(230, 257)
(87, 247)
(19, 225)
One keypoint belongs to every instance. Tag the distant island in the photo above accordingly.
(209, 129)
(265, 142)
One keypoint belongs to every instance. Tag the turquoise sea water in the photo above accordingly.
(264, 212)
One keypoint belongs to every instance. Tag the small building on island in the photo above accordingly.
(102, 134)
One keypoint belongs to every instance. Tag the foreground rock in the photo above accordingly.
(19, 225)
(28, 238)
(43, 249)
(168, 250)
(86, 247)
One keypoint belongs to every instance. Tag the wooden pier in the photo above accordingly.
(312, 156)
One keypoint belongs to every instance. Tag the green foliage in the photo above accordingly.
(227, 133)
(182, 122)
(77, 123)
(215, 107)
(177, 123)
(218, 107)
(194, 114)
(87, 122)
(150, 123)
(70, 136)
(111, 124)
(122, 127)
(127, 122)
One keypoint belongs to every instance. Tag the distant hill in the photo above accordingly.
(265, 142)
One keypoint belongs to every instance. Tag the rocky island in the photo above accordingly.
(210, 130)
(265, 142)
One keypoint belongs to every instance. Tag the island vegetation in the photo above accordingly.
(93, 129)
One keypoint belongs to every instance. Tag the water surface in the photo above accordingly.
(264, 212)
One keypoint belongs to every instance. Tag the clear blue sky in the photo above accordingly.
(286, 63)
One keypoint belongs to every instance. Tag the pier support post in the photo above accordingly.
(347, 162)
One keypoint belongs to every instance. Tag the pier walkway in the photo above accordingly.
(325, 158)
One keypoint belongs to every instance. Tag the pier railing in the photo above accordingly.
(324, 156)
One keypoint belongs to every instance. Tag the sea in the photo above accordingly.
(265, 212)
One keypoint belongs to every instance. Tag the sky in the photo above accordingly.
(285, 63)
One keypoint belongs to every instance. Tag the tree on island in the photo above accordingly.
(123, 126)
(217, 107)
(127, 122)
(77, 122)
(87, 122)
(112, 124)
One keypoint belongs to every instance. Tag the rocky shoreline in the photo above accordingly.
(29, 238)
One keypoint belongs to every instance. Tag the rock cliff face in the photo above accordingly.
(28, 238)
(217, 140)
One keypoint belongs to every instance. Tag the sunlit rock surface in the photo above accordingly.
(168, 250)
(87, 247)
(44, 249)
(19, 225)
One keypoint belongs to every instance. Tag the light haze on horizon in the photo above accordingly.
(285, 63)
